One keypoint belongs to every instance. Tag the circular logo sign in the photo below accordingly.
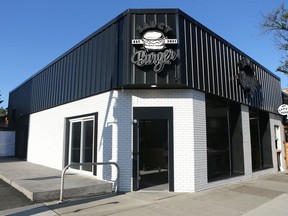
(283, 109)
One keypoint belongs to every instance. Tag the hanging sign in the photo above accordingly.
(153, 50)
(283, 110)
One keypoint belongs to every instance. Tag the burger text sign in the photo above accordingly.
(153, 49)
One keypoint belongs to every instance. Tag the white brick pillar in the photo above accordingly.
(200, 141)
(246, 141)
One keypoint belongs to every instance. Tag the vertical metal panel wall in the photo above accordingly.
(209, 63)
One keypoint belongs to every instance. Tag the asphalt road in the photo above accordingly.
(11, 198)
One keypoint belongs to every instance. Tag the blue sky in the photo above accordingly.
(35, 32)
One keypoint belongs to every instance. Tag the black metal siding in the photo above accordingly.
(102, 62)
(209, 63)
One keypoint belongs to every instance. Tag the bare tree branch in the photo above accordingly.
(275, 23)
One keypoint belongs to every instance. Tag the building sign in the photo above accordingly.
(283, 110)
(247, 77)
(153, 50)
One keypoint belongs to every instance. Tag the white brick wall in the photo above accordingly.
(115, 132)
(188, 109)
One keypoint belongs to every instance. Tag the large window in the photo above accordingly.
(260, 140)
(224, 138)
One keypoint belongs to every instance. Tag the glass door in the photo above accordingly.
(153, 164)
(81, 143)
(153, 154)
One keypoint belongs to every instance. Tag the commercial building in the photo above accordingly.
(174, 104)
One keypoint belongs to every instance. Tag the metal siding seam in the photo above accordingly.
(36, 81)
(46, 86)
(232, 72)
(185, 48)
(111, 56)
(103, 64)
(202, 61)
(69, 74)
(216, 66)
(53, 84)
(260, 81)
(59, 66)
(93, 67)
(197, 58)
(192, 57)
(81, 71)
(97, 64)
(221, 68)
(269, 93)
(87, 70)
(58, 83)
(207, 63)
(228, 72)
(66, 78)
(115, 68)
(62, 80)
(225, 70)
(77, 72)
(42, 91)
(239, 86)
(212, 64)
(49, 71)
(73, 75)
(274, 95)
(263, 87)
(84, 69)
(255, 96)
(43, 76)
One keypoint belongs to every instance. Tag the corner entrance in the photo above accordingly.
(153, 149)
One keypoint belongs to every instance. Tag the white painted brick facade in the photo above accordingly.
(246, 141)
(115, 132)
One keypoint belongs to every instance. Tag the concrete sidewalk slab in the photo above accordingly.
(277, 206)
(264, 195)
(40, 183)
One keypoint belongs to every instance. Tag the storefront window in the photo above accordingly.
(224, 138)
(260, 140)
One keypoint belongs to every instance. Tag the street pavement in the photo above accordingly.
(11, 198)
(264, 195)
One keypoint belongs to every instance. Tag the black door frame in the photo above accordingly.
(153, 113)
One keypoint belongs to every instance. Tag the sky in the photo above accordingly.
(35, 32)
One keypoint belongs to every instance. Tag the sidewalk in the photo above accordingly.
(265, 195)
(40, 183)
